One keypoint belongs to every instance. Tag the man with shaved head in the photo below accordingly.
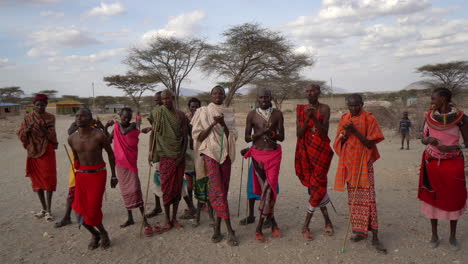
(170, 128)
(267, 124)
(90, 183)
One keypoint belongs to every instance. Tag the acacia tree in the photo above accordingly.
(453, 75)
(10, 94)
(170, 59)
(133, 85)
(250, 52)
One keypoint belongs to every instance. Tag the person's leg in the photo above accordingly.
(105, 241)
(453, 233)
(142, 211)
(435, 236)
(232, 239)
(129, 221)
(407, 140)
(49, 201)
(251, 217)
(197, 215)
(211, 213)
(217, 236)
(402, 140)
(328, 224)
(96, 237)
(66, 220)
(377, 244)
(41, 196)
(174, 221)
(305, 227)
(157, 207)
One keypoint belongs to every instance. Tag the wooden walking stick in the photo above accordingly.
(353, 200)
(71, 162)
(240, 188)
(148, 183)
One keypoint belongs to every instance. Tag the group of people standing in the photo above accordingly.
(202, 146)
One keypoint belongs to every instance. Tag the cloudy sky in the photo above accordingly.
(364, 45)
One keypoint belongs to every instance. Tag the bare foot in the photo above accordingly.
(94, 243)
(63, 222)
(127, 223)
(268, 223)
(306, 234)
(188, 214)
(105, 244)
(328, 230)
(154, 213)
(195, 224)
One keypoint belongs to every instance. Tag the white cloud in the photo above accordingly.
(92, 58)
(369, 9)
(52, 14)
(107, 10)
(180, 26)
(70, 36)
(5, 63)
(444, 29)
(41, 52)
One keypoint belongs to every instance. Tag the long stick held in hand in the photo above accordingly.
(240, 188)
(148, 183)
(69, 158)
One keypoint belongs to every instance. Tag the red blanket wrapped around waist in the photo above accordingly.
(271, 161)
(442, 183)
(89, 191)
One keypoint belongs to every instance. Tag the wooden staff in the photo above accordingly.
(240, 188)
(148, 182)
(71, 162)
(353, 201)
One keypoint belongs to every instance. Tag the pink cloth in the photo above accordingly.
(432, 212)
(448, 137)
(271, 161)
(126, 148)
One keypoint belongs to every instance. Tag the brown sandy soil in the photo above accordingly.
(403, 230)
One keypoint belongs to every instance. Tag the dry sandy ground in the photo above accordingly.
(403, 229)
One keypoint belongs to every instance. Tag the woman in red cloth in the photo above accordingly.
(37, 133)
(442, 185)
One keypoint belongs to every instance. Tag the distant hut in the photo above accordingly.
(67, 107)
(9, 109)
(113, 108)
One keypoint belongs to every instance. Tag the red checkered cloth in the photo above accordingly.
(313, 158)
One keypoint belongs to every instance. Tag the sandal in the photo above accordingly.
(306, 234)
(49, 217)
(41, 214)
(328, 230)
(259, 237)
(162, 229)
(276, 232)
(148, 231)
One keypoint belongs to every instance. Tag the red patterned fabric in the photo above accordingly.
(89, 191)
(43, 170)
(313, 158)
(41, 133)
(172, 178)
(364, 210)
(219, 176)
(130, 188)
